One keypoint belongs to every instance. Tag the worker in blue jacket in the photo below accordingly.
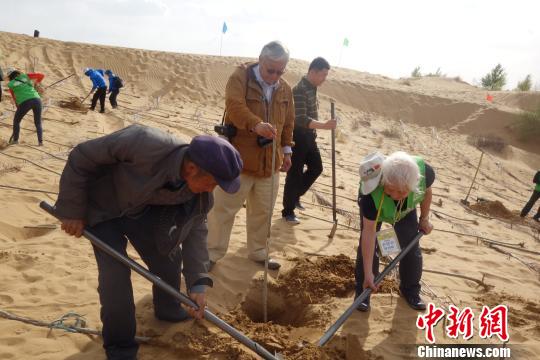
(115, 83)
(98, 82)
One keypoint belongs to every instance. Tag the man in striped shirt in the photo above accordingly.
(305, 151)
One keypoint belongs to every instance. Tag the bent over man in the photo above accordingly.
(25, 97)
(144, 186)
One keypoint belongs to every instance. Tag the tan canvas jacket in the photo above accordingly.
(245, 107)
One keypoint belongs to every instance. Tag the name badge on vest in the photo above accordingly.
(388, 242)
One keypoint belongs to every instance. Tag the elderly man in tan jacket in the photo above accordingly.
(259, 104)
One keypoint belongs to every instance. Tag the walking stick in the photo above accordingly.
(261, 351)
(59, 81)
(268, 233)
(367, 291)
(334, 212)
(464, 201)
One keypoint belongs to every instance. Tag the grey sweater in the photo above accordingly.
(121, 173)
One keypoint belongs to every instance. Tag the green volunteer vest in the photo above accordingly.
(537, 187)
(388, 211)
(23, 88)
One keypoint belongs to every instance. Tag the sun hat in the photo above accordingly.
(370, 172)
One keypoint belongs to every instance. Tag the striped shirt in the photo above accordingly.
(305, 103)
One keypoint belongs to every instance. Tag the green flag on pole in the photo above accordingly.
(346, 42)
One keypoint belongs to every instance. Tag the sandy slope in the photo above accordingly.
(45, 274)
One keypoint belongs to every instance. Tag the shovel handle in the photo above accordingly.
(169, 289)
(367, 291)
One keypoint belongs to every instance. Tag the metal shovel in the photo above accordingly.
(334, 211)
(261, 351)
(364, 295)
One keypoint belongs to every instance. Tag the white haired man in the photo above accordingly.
(390, 190)
(259, 107)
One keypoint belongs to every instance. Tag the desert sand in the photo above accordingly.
(45, 273)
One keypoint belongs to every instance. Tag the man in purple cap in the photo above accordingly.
(146, 186)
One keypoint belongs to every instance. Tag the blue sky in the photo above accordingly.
(464, 38)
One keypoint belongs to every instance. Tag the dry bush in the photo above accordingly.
(356, 123)
(392, 132)
(490, 142)
(341, 136)
(8, 168)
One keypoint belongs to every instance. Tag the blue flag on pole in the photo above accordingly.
(224, 27)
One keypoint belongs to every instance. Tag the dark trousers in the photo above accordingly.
(534, 197)
(101, 94)
(410, 267)
(112, 98)
(0, 90)
(22, 109)
(298, 181)
(115, 290)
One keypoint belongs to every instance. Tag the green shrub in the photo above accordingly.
(528, 125)
(416, 72)
(525, 84)
(495, 80)
(437, 73)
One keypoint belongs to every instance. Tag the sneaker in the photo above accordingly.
(415, 302)
(272, 264)
(13, 142)
(291, 219)
(92, 108)
(40, 143)
(364, 305)
(101, 111)
(299, 206)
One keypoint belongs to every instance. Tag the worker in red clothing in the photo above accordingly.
(25, 97)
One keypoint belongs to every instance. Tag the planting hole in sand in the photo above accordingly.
(73, 103)
(280, 309)
(295, 297)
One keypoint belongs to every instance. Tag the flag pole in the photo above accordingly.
(340, 53)
(220, 43)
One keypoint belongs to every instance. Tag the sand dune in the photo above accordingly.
(45, 273)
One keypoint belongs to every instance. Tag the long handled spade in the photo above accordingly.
(364, 295)
(268, 235)
(261, 351)
(86, 97)
(464, 201)
(59, 81)
(334, 212)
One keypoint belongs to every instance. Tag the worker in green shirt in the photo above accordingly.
(25, 97)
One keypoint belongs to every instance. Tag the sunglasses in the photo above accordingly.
(273, 71)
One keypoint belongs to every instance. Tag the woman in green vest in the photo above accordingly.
(26, 98)
(390, 190)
